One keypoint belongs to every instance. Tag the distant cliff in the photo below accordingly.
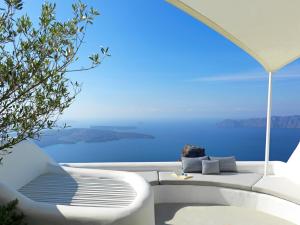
(277, 122)
(113, 127)
(88, 135)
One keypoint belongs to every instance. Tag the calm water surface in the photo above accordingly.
(170, 137)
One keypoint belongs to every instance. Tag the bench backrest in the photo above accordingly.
(25, 162)
(293, 166)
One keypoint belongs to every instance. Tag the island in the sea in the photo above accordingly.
(89, 135)
(114, 127)
(276, 122)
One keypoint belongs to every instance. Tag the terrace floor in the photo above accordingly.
(193, 214)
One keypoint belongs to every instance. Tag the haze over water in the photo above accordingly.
(170, 137)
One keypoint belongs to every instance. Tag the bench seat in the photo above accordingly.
(64, 189)
(279, 186)
(150, 176)
(241, 180)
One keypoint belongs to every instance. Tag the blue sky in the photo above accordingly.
(167, 65)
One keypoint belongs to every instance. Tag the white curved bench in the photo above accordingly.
(277, 194)
(213, 195)
(242, 180)
(285, 181)
(88, 195)
(280, 187)
(50, 194)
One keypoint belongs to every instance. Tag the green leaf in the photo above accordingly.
(34, 88)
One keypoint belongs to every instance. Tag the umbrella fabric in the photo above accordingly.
(269, 30)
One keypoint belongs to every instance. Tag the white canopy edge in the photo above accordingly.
(184, 5)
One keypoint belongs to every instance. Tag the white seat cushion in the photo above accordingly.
(280, 187)
(150, 176)
(243, 181)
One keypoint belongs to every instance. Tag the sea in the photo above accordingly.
(171, 136)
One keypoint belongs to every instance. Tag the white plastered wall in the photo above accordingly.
(25, 162)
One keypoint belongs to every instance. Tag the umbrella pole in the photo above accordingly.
(268, 129)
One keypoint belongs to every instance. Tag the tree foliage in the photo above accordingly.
(10, 215)
(34, 61)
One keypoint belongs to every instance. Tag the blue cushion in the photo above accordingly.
(210, 167)
(227, 164)
(192, 165)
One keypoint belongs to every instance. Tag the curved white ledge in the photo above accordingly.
(227, 196)
(27, 163)
(139, 211)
